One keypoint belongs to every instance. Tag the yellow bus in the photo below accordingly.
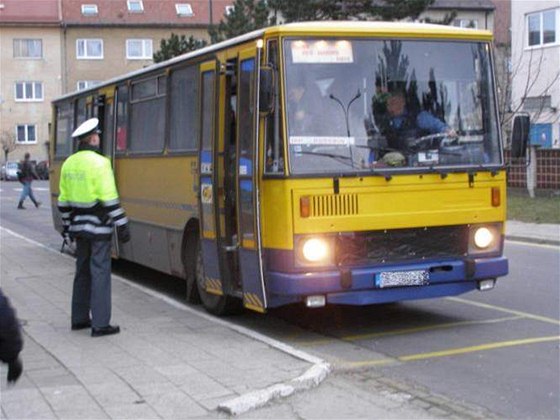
(272, 168)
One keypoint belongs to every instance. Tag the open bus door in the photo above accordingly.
(104, 110)
(247, 170)
(229, 238)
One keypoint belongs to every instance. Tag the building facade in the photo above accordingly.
(52, 47)
(536, 67)
(30, 74)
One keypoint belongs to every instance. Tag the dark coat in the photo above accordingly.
(11, 341)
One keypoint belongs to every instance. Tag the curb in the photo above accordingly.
(541, 241)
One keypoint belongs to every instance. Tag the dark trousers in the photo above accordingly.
(92, 283)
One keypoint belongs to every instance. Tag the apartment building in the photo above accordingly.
(105, 38)
(52, 47)
(536, 67)
(30, 73)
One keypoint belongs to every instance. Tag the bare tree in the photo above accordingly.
(8, 142)
(530, 72)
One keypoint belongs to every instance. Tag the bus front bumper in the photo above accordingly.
(360, 286)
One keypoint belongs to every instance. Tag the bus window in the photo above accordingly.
(81, 111)
(274, 149)
(64, 128)
(108, 129)
(246, 121)
(147, 127)
(122, 118)
(184, 109)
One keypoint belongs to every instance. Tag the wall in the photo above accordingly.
(548, 170)
(46, 70)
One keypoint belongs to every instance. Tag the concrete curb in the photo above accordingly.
(251, 400)
(311, 378)
(541, 241)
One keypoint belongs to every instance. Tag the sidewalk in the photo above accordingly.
(533, 232)
(169, 361)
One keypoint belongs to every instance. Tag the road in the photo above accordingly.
(496, 350)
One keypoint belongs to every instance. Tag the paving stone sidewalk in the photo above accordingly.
(165, 363)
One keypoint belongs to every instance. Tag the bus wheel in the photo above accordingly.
(189, 263)
(215, 304)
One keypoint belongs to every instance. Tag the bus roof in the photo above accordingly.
(328, 28)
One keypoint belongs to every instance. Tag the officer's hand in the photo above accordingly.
(15, 367)
(123, 233)
(66, 235)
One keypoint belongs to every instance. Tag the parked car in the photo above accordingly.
(12, 169)
(42, 169)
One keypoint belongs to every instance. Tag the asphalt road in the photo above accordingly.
(498, 350)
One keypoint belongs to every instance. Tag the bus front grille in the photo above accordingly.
(389, 246)
(334, 205)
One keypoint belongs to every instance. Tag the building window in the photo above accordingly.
(91, 49)
(135, 6)
(85, 84)
(28, 48)
(541, 28)
(29, 91)
(26, 133)
(466, 23)
(89, 9)
(229, 10)
(139, 49)
(184, 9)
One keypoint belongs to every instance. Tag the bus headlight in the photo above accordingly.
(485, 239)
(314, 251)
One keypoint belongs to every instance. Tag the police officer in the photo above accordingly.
(90, 207)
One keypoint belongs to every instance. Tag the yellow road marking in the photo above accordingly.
(481, 347)
(407, 330)
(506, 310)
(452, 352)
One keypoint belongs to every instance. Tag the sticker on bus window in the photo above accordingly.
(243, 170)
(206, 193)
(322, 52)
(321, 141)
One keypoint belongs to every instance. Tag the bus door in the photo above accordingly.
(246, 172)
(207, 191)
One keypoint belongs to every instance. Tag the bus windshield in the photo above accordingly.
(358, 105)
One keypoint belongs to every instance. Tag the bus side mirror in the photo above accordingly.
(266, 94)
(520, 136)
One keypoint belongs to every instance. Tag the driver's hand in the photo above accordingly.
(452, 133)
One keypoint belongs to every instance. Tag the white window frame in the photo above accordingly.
(85, 42)
(184, 9)
(134, 9)
(26, 140)
(21, 47)
(466, 23)
(146, 55)
(540, 15)
(229, 9)
(85, 84)
(89, 10)
(29, 88)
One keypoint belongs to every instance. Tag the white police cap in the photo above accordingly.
(87, 127)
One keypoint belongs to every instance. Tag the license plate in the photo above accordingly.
(402, 278)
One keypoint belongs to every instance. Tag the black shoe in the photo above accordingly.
(37, 204)
(108, 330)
(20, 207)
(81, 325)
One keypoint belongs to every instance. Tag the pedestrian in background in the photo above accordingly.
(90, 207)
(26, 177)
(11, 341)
